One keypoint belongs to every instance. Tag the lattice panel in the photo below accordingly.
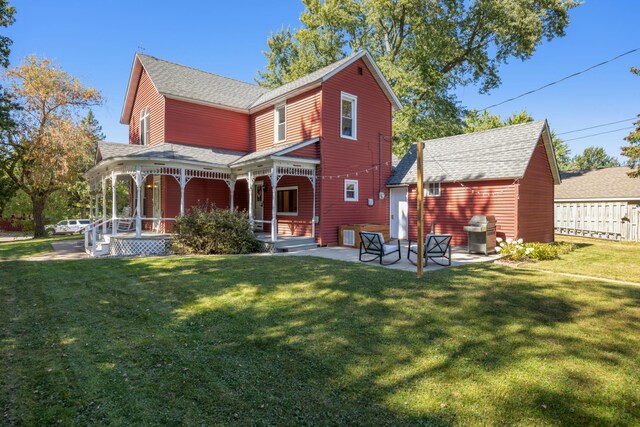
(135, 247)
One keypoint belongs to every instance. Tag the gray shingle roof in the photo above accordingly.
(493, 154)
(274, 151)
(169, 151)
(304, 81)
(176, 80)
(598, 184)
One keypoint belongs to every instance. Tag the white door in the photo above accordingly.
(399, 221)
(157, 210)
(258, 205)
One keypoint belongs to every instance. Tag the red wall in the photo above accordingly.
(456, 205)
(340, 156)
(147, 96)
(200, 125)
(303, 117)
(535, 206)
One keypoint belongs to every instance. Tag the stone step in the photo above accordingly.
(297, 247)
(285, 243)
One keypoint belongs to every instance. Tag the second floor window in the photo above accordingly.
(348, 115)
(281, 123)
(144, 126)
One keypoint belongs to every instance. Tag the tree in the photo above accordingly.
(632, 151)
(594, 158)
(49, 146)
(425, 49)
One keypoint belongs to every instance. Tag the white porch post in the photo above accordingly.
(104, 206)
(250, 180)
(183, 183)
(232, 188)
(114, 207)
(313, 214)
(138, 204)
(274, 203)
(90, 207)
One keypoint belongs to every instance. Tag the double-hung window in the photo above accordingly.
(433, 189)
(348, 116)
(280, 123)
(288, 201)
(350, 190)
(144, 126)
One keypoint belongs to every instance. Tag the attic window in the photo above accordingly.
(359, 71)
(144, 126)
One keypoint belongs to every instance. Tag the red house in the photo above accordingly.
(508, 172)
(302, 159)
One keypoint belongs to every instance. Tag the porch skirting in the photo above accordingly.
(135, 246)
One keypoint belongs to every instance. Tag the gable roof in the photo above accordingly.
(501, 153)
(608, 183)
(189, 84)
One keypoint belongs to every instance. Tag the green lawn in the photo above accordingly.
(260, 340)
(27, 248)
(598, 258)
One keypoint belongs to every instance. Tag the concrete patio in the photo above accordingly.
(459, 256)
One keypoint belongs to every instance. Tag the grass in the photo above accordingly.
(597, 258)
(27, 248)
(259, 340)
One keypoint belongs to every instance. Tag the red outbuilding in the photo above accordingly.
(508, 172)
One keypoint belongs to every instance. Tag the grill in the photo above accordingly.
(481, 233)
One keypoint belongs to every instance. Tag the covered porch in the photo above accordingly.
(278, 194)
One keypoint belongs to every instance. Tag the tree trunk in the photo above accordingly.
(39, 202)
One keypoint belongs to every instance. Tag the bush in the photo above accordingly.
(517, 250)
(208, 230)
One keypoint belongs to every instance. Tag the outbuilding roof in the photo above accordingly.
(608, 183)
(185, 83)
(499, 153)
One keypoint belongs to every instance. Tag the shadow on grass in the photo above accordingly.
(265, 340)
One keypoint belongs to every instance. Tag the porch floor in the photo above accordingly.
(459, 256)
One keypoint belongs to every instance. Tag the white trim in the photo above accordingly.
(599, 199)
(276, 122)
(293, 187)
(356, 190)
(344, 96)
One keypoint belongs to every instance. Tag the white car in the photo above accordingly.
(68, 226)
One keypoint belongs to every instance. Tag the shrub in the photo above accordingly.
(208, 230)
(517, 250)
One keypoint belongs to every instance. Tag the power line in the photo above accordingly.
(564, 78)
(601, 133)
(598, 126)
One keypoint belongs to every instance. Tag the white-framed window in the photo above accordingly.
(350, 190)
(144, 126)
(432, 189)
(348, 116)
(280, 121)
(287, 200)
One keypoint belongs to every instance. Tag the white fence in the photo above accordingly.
(605, 220)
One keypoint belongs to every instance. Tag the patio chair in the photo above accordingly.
(374, 244)
(435, 246)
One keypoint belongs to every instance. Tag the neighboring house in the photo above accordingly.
(302, 159)
(602, 203)
(509, 172)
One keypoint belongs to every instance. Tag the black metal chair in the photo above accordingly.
(374, 244)
(435, 246)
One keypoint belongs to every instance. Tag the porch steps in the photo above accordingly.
(294, 244)
(297, 248)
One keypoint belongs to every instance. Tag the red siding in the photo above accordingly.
(204, 126)
(303, 114)
(456, 205)
(147, 96)
(312, 151)
(341, 156)
(535, 205)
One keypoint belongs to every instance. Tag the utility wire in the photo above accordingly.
(598, 126)
(601, 133)
(564, 78)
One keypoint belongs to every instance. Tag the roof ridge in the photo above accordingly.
(203, 71)
(485, 130)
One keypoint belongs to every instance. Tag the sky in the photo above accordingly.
(96, 42)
